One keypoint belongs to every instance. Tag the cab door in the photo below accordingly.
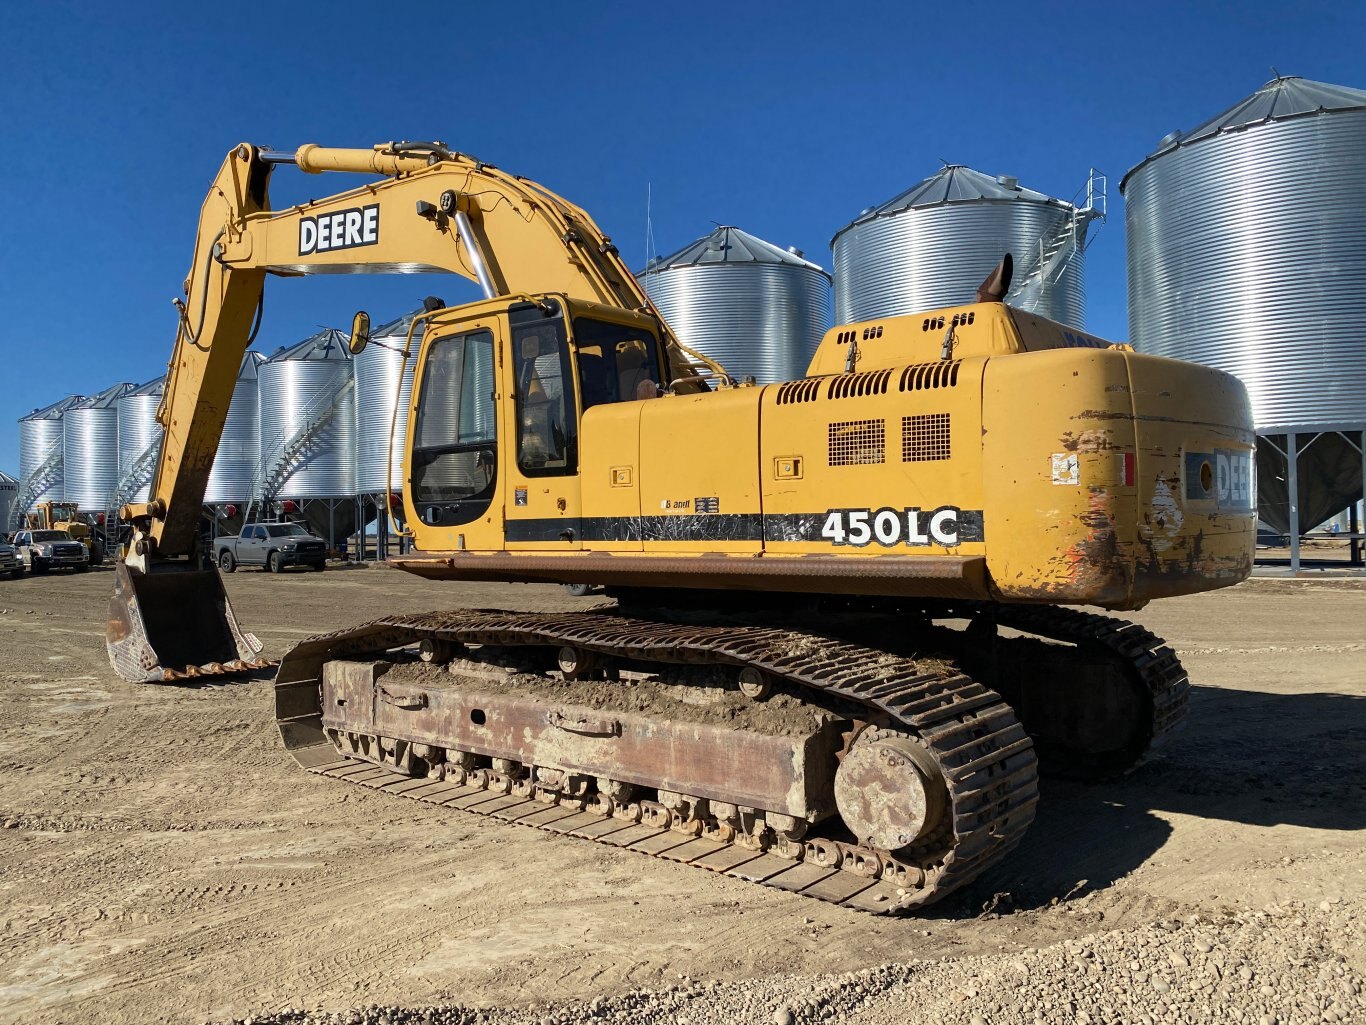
(453, 473)
(542, 498)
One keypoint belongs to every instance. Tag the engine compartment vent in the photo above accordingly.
(845, 386)
(925, 438)
(858, 442)
(798, 391)
(924, 376)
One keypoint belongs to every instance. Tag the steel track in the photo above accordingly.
(985, 756)
(1151, 665)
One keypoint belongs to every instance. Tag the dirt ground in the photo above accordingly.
(163, 859)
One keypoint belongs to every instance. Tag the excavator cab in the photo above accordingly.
(500, 393)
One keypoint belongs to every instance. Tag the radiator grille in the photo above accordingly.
(858, 442)
(924, 438)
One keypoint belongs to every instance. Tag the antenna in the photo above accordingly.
(649, 225)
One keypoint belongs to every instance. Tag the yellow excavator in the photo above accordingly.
(842, 646)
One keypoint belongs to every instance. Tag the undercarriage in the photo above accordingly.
(874, 758)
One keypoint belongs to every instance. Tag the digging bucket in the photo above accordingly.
(175, 623)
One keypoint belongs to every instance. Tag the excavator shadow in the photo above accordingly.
(1264, 760)
(1243, 757)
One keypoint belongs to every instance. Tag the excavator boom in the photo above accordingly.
(434, 211)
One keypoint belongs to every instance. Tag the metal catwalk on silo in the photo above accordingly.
(308, 432)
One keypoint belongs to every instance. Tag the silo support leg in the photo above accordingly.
(1292, 451)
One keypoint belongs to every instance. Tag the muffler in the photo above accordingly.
(175, 623)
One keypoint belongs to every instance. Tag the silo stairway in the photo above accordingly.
(1058, 247)
(35, 484)
(291, 452)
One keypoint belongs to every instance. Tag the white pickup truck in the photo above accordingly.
(42, 550)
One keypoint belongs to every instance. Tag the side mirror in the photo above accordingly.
(360, 333)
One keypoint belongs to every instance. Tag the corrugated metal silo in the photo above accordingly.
(751, 306)
(381, 380)
(90, 446)
(932, 245)
(9, 494)
(139, 440)
(41, 453)
(1247, 249)
(308, 420)
(234, 473)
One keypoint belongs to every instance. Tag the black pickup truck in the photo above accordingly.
(272, 545)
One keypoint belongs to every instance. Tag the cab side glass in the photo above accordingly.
(547, 420)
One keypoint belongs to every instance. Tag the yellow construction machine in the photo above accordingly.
(66, 516)
(841, 647)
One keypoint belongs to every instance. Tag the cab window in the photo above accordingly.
(547, 422)
(617, 363)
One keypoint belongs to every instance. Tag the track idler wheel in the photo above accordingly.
(437, 651)
(576, 663)
(889, 790)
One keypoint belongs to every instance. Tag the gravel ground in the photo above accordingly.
(1284, 965)
(163, 860)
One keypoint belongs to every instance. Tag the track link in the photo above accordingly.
(980, 747)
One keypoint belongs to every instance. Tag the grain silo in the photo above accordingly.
(9, 497)
(1247, 249)
(139, 441)
(932, 245)
(234, 474)
(383, 381)
(755, 308)
(90, 447)
(308, 421)
(41, 454)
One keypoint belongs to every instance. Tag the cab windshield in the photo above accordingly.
(286, 530)
(51, 535)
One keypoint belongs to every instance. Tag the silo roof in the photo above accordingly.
(55, 411)
(953, 183)
(397, 326)
(251, 363)
(107, 399)
(728, 244)
(327, 344)
(153, 387)
(1279, 100)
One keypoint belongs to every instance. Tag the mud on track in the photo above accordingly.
(165, 860)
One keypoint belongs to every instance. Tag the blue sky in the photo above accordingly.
(785, 119)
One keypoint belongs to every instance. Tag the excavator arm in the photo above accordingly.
(433, 210)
